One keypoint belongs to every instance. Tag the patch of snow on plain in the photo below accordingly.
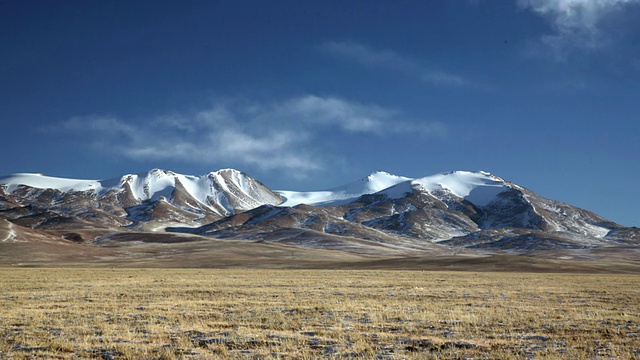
(162, 227)
(11, 234)
(105, 237)
(595, 231)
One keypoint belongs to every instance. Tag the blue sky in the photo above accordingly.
(314, 94)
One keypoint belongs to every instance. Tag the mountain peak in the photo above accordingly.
(478, 187)
(41, 181)
(477, 172)
(157, 171)
(231, 170)
(381, 172)
(227, 171)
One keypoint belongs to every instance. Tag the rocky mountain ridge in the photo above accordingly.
(384, 212)
(151, 199)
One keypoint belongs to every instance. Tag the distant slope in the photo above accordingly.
(373, 183)
(381, 214)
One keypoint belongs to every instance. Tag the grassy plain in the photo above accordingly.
(307, 314)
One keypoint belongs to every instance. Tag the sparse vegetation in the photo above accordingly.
(203, 313)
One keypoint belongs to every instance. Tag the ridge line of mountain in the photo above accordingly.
(475, 210)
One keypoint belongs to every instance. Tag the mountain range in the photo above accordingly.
(379, 215)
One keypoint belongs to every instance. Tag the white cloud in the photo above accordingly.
(439, 77)
(391, 60)
(576, 24)
(280, 135)
(104, 124)
(349, 116)
(354, 117)
(276, 150)
(370, 57)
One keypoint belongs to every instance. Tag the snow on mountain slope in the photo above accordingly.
(473, 208)
(498, 204)
(40, 181)
(150, 186)
(212, 189)
(240, 191)
(6, 231)
(479, 188)
(373, 183)
(224, 191)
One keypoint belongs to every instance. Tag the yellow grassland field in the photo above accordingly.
(314, 314)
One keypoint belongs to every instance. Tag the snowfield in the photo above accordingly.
(40, 181)
(373, 183)
(211, 190)
(479, 187)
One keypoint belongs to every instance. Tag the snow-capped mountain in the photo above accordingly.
(475, 210)
(476, 187)
(158, 195)
(462, 208)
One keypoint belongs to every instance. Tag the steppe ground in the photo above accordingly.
(305, 314)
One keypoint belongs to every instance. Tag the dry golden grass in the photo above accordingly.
(307, 314)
